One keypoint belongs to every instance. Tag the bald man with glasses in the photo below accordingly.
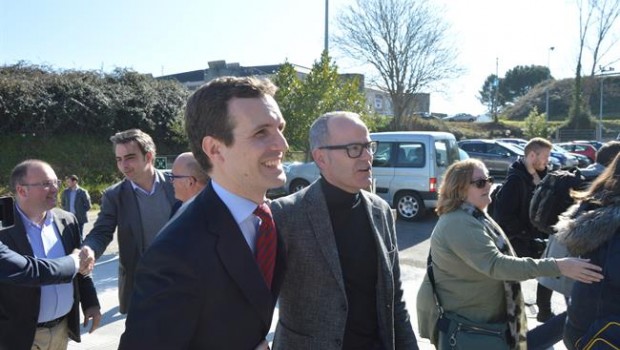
(187, 177)
(342, 289)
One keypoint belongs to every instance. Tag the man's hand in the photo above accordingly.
(579, 269)
(76, 259)
(94, 313)
(264, 345)
(87, 260)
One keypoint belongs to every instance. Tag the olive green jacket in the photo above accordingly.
(469, 272)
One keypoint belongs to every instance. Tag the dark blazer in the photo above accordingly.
(198, 285)
(28, 271)
(19, 306)
(119, 212)
(313, 301)
(82, 203)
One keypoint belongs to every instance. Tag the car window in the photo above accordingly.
(382, 157)
(497, 150)
(447, 152)
(473, 147)
(410, 155)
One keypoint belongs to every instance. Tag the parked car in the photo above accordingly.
(596, 144)
(573, 159)
(585, 149)
(407, 169)
(496, 155)
(461, 117)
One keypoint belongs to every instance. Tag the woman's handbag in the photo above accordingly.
(458, 332)
(560, 284)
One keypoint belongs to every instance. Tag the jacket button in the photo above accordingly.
(388, 306)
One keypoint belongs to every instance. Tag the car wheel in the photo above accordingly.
(409, 206)
(297, 185)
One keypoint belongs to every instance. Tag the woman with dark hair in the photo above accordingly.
(590, 229)
(476, 270)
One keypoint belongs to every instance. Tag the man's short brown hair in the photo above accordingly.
(144, 140)
(536, 145)
(206, 113)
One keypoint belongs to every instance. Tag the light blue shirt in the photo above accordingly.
(56, 300)
(72, 194)
(242, 211)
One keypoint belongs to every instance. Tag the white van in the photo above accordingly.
(407, 169)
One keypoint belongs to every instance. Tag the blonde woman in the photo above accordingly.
(476, 270)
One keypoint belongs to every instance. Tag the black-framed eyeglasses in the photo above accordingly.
(480, 183)
(44, 184)
(173, 177)
(354, 150)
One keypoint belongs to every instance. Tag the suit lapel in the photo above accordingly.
(129, 207)
(316, 208)
(236, 256)
(19, 237)
(64, 232)
(379, 232)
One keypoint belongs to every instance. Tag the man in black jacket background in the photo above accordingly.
(512, 211)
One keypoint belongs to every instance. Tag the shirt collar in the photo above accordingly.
(26, 220)
(239, 207)
(138, 188)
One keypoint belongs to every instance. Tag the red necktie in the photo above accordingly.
(266, 243)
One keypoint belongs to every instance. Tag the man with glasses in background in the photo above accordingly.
(43, 317)
(342, 289)
(137, 207)
(187, 178)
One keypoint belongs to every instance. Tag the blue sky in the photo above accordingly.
(165, 37)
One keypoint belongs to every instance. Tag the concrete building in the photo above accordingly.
(377, 100)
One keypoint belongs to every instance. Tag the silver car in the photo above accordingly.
(497, 156)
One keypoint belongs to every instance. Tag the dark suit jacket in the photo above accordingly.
(119, 209)
(82, 203)
(313, 302)
(19, 306)
(28, 271)
(198, 285)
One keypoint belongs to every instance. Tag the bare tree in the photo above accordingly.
(404, 40)
(601, 14)
(604, 15)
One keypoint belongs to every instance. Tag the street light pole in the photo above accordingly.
(599, 128)
(548, 82)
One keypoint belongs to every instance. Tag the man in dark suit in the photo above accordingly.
(342, 288)
(76, 200)
(43, 317)
(25, 270)
(209, 281)
(136, 207)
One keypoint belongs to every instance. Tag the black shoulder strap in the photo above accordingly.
(431, 278)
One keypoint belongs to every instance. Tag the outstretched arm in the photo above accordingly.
(28, 271)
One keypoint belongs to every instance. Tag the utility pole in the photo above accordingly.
(326, 48)
(495, 91)
(599, 128)
(548, 82)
